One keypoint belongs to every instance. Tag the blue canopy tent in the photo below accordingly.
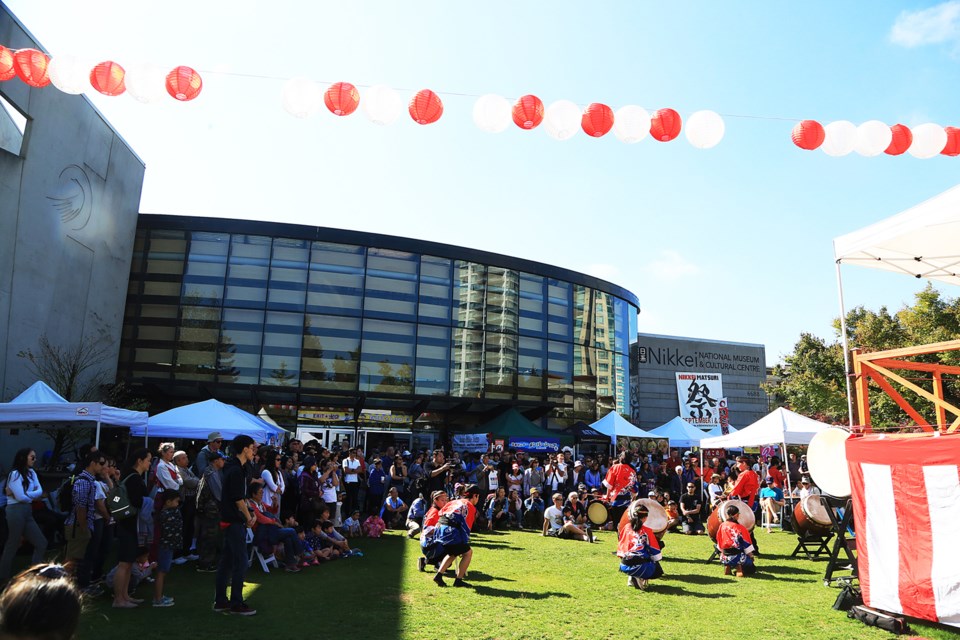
(195, 421)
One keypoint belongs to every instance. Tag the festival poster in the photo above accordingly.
(699, 395)
(724, 411)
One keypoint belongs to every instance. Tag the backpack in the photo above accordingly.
(65, 494)
(118, 502)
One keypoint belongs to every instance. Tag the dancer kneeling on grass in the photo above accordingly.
(453, 534)
(735, 545)
(638, 548)
(432, 550)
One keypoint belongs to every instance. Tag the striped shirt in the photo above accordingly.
(84, 496)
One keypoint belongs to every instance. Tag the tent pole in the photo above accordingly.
(96, 440)
(783, 463)
(846, 347)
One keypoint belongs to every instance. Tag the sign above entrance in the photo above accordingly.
(367, 416)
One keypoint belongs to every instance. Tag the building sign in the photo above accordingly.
(699, 395)
(550, 445)
(733, 360)
(367, 416)
(472, 442)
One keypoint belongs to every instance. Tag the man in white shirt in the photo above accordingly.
(558, 522)
(351, 480)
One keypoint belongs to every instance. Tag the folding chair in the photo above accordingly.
(255, 553)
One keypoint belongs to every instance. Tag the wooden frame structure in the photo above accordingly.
(880, 367)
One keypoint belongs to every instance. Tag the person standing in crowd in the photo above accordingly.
(776, 474)
(273, 486)
(515, 478)
(556, 477)
(594, 477)
(209, 493)
(23, 487)
(170, 526)
(436, 472)
(691, 506)
(80, 530)
(237, 518)
(188, 505)
(398, 476)
(310, 501)
(42, 602)
(103, 519)
(735, 545)
(453, 534)
(638, 548)
(167, 473)
(127, 543)
(748, 484)
(205, 456)
(376, 484)
(351, 480)
(329, 485)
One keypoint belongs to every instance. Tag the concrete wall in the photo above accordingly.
(655, 361)
(68, 214)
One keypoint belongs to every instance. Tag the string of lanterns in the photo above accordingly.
(302, 98)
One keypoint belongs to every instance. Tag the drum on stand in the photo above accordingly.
(827, 461)
(719, 516)
(657, 518)
(811, 517)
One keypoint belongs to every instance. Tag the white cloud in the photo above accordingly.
(935, 25)
(670, 265)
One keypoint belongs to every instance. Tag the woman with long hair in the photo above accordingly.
(273, 484)
(23, 487)
(127, 546)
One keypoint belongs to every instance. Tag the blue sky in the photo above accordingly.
(730, 243)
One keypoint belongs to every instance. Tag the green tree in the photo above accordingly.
(810, 380)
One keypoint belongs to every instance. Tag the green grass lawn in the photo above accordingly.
(526, 586)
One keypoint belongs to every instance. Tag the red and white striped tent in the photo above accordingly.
(906, 502)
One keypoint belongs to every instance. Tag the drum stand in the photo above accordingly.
(842, 523)
(812, 545)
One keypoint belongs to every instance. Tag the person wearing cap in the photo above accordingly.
(735, 545)
(453, 534)
(209, 493)
(214, 443)
(432, 552)
(577, 474)
(533, 510)
(806, 488)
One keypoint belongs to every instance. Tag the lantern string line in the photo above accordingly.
(469, 95)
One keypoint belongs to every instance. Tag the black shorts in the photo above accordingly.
(456, 549)
(127, 548)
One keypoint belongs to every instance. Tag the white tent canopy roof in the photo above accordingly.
(40, 403)
(782, 426)
(923, 241)
(195, 421)
(680, 433)
(718, 431)
(613, 425)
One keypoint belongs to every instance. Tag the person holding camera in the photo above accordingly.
(435, 472)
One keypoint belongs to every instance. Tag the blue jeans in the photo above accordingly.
(233, 564)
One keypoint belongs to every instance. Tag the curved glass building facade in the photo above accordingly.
(311, 319)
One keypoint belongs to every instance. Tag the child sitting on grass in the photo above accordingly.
(171, 539)
(351, 527)
(139, 572)
(330, 535)
(322, 548)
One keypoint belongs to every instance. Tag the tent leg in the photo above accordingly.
(96, 441)
(846, 346)
(784, 463)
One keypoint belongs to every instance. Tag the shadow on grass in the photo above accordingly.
(679, 591)
(779, 568)
(499, 546)
(696, 578)
(509, 593)
(479, 576)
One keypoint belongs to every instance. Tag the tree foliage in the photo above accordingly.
(810, 380)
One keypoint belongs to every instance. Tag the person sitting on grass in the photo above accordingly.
(140, 570)
(558, 522)
(415, 516)
(533, 510)
(735, 545)
(330, 535)
(453, 534)
(308, 556)
(515, 508)
(323, 549)
(431, 550)
(171, 540)
(351, 526)
(267, 531)
(673, 515)
(393, 510)
(498, 514)
(638, 548)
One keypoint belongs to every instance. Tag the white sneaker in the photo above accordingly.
(180, 560)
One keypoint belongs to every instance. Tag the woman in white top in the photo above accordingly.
(168, 474)
(23, 487)
(273, 485)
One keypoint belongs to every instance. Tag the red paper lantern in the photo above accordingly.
(32, 66)
(426, 107)
(953, 142)
(107, 78)
(665, 125)
(528, 112)
(902, 139)
(597, 120)
(342, 98)
(183, 83)
(808, 134)
(7, 68)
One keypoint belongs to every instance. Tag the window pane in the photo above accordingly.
(559, 373)
(335, 282)
(387, 358)
(166, 252)
(433, 360)
(502, 300)
(530, 369)
(206, 268)
(197, 343)
(288, 274)
(240, 346)
(282, 337)
(247, 271)
(559, 316)
(500, 365)
(621, 313)
(391, 285)
(466, 363)
(584, 382)
(435, 290)
(532, 315)
(331, 352)
(469, 282)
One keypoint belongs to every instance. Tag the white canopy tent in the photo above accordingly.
(613, 425)
(923, 242)
(718, 431)
(680, 433)
(40, 403)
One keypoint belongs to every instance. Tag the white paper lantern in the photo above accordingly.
(873, 138)
(69, 74)
(705, 129)
(631, 124)
(381, 104)
(146, 82)
(840, 138)
(301, 97)
(928, 140)
(561, 120)
(491, 113)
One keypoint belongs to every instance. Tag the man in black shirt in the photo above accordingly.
(690, 506)
(236, 518)
(436, 472)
